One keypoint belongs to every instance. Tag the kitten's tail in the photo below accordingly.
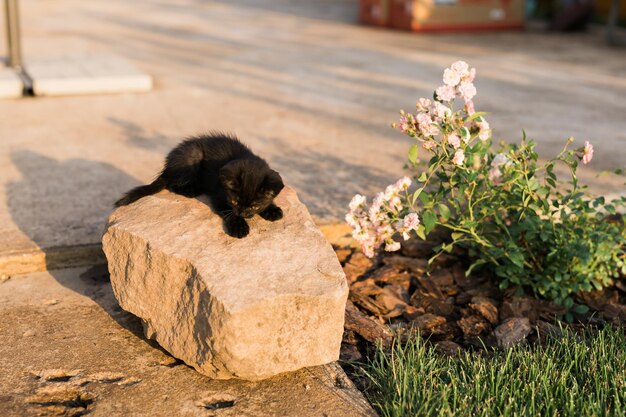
(141, 191)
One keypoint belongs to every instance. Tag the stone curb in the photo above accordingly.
(40, 260)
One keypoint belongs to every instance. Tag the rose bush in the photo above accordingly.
(511, 214)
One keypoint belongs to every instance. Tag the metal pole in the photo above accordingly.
(13, 33)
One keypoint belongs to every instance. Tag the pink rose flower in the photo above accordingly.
(451, 77)
(461, 68)
(411, 221)
(454, 140)
(403, 183)
(587, 152)
(467, 91)
(440, 111)
(392, 246)
(423, 104)
(404, 123)
(499, 160)
(494, 174)
(445, 93)
(357, 202)
(470, 76)
(459, 157)
(484, 131)
(426, 126)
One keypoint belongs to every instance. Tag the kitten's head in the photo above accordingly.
(250, 186)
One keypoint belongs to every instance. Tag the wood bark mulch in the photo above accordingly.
(396, 294)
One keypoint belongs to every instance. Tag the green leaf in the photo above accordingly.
(457, 236)
(413, 154)
(416, 194)
(420, 232)
(475, 116)
(444, 211)
(581, 309)
(429, 221)
(425, 198)
(423, 177)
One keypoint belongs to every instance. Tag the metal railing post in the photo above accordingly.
(14, 46)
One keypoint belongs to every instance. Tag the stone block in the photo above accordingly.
(248, 308)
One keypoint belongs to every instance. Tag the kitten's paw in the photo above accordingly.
(237, 227)
(272, 213)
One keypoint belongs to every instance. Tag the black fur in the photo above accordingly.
(239, 183)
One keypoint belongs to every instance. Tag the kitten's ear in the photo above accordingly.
(230, 176)
(273, 182)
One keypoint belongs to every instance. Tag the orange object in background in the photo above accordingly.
(456, 15)
(374, 12)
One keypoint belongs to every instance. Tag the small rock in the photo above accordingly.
(448, 348)
(486, 307)
(512, 331)
(4, 278)
(51, 302)
(28, 333)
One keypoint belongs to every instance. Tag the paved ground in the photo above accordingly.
(298, 80)
(66, 344)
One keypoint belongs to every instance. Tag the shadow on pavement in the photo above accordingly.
(55, 198)
(326, 183)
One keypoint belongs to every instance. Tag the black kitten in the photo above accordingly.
(239, 183)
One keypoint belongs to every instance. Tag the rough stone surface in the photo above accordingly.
(232, 308)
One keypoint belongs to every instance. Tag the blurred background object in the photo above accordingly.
(65, 74)
(489, 15)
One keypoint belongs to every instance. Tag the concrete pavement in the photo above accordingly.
(68, 349)
(299, 81)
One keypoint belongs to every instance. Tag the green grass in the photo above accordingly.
(573, 375)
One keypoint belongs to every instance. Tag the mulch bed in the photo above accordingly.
(396, 294)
